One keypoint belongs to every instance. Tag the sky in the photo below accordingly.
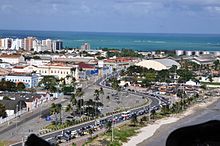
(142, 16)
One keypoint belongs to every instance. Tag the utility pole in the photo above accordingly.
(112, 128)
(16, 117)
(149, 110)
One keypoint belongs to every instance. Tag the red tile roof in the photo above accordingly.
(85, 66)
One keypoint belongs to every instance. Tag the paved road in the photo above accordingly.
(155, 103)
(26, 117)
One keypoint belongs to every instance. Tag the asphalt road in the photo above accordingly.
(24, 118)
(155, 102)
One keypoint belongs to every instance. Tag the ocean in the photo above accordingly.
(135, 41)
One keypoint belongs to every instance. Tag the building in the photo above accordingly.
(158, 64)
(207, 59)
(179, 52)
(17, 44)
(1, 43)
(57, 45)
(85, 46)
(29, 80)
(49, 44)
(13, 106)
(189, 53)
(6, 43)
(58, 70)
(12, 58)
(5, 65)
(28, 43)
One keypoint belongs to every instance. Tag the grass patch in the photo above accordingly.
(4, 143)
(121, 135)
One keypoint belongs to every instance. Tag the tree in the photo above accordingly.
(69, 108)
(210, 78)
(216, 64)
(184, 75)
(73, 100)
(56, 109)
(3, 113)
(7, 86)
(90, 132)
(109, 126)
(134, 119)
(20, 86)
(6, 98)
(101, 91)
(96, 94)
(49, 83)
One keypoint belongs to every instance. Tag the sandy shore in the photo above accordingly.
(148, 131)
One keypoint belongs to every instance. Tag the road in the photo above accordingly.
(155, 103)
(26, 117)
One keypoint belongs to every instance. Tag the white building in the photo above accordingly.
(12, 58)
(38, 62)
(5, 65)
(85, 46)
(158, 64)
(188, 53)
(30, 80)
(179, 52)
(48, 43)
(17, 44)
(55, 69)
(192, 83)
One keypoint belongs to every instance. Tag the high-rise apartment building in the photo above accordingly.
(17, 44)
(57, 45)
(85, 46)
(28, 43)
(48, 44)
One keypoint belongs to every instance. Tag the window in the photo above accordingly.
(61, 72)
(51, 71)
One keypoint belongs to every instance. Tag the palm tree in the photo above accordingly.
(96, 94)
(59, 110)
(49, 83)
(109, 126)
(69, 108)
(90, 132)
(54, 111)
(134, 120)
(3, 113)
(73, 100)
(101, 91)
(210, 78)
(216, 63)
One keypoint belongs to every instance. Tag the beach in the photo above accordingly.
(155, 134)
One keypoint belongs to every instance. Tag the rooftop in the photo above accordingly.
(10, 55)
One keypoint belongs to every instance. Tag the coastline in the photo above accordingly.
(154, 129)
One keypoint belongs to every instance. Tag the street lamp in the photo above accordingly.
(16, 116)
(112, 128)
(149, 110)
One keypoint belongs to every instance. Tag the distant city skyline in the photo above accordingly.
(135, 16)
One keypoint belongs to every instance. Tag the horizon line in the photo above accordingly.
(186, 33)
